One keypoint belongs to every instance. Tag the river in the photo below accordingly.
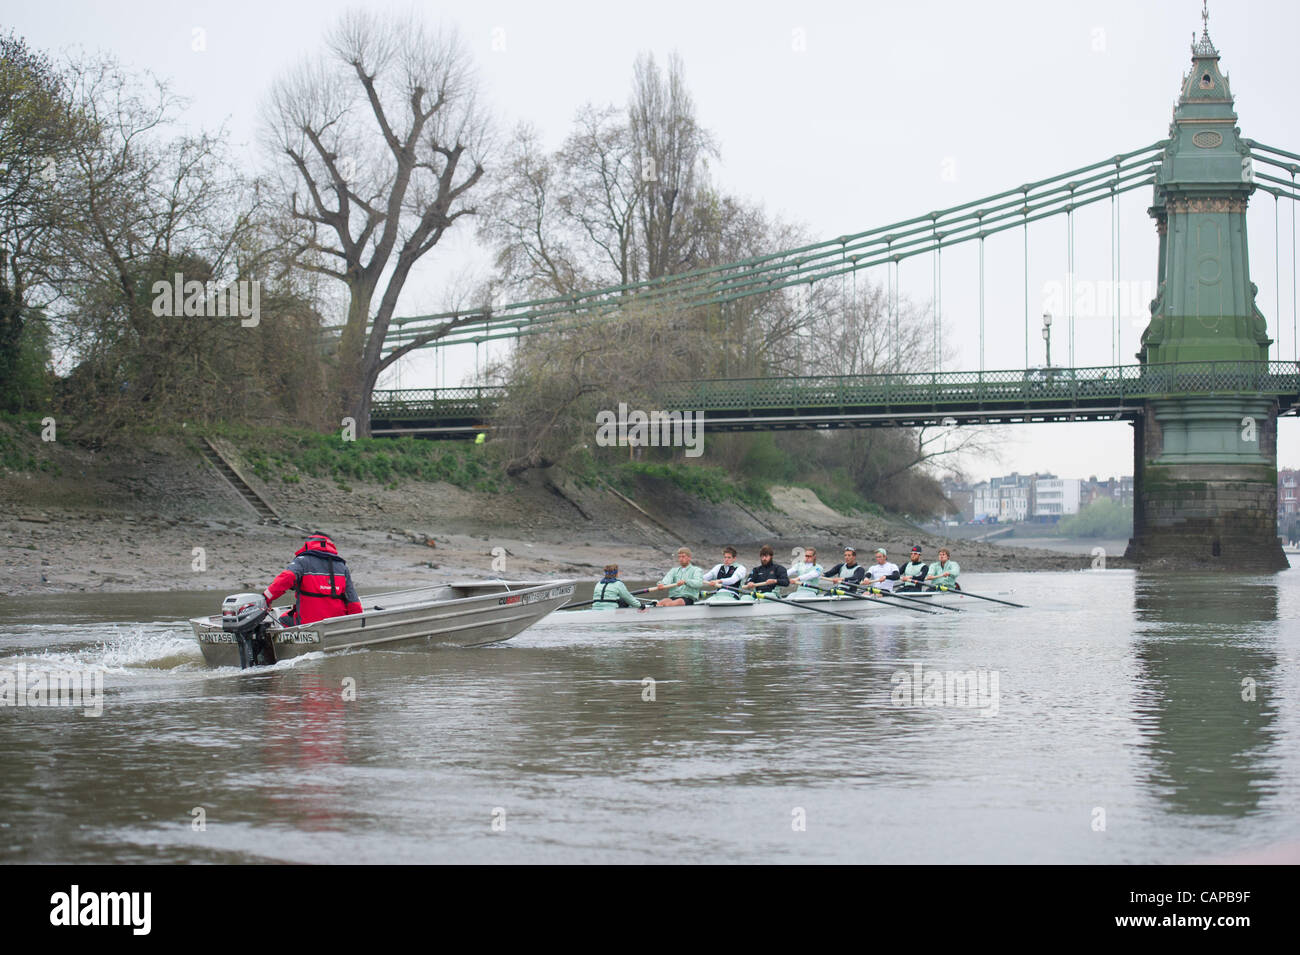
(1123, 718)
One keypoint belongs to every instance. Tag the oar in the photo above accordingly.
(897, 596)
(802, 606)
(967, 593)
(845, 593)
(635, 593)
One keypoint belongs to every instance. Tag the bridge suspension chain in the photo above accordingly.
(981, 303)
(938, 309)
(1281, 189)
(1069, 219)
(1026, 294)
(769, 273)
(1114, 286)
(1119, 274)
(760, 285)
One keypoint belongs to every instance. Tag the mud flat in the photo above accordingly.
(159, 518)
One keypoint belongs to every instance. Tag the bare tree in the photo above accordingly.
(604, 188)
(671, 152)
(626, 198)
(558, 380)
(384, 139)
(525, 219)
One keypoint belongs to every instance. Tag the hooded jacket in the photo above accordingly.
(319, 578)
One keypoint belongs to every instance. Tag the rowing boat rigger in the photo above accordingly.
(715, 609)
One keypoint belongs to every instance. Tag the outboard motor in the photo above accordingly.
(249, 619)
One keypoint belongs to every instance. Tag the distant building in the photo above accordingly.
(1044, 498)
(1055, 498)
(984, 505)
(1119, 490)
(961, 496)
(1013, 498)
(1003, 500)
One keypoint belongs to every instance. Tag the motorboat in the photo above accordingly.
(461, 614)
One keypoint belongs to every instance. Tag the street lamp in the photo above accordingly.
(1047, 335)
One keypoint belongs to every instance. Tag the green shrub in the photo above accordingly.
(287, 454)
(707, 483)
(15, 457)
(1102, 518)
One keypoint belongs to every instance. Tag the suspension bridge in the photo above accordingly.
(1204, 397)
(1109, 393)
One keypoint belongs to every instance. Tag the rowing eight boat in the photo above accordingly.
(747, 608)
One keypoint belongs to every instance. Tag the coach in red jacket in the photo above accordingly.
(320, 581)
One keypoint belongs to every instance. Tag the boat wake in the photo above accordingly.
(279, 666)
(122, 652)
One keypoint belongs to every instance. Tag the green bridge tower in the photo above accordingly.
(1205, 468)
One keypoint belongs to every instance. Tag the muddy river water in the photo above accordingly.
(1120, 718)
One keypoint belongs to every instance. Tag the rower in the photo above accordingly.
(726, 574)
(804, 574)
(768, 575)
(883, 572)
(685, 580)
(849, 572)
(943, 572)
(611, 593)
(914, 573)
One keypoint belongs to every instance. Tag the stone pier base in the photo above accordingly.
(1196, 508)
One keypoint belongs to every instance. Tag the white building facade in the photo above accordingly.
(1055, 498)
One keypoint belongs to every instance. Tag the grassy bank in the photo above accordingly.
(19, 442)
(710, 484)
(286, 455)
(283, 455)
(716, 485)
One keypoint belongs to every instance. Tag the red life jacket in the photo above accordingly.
(320, 591)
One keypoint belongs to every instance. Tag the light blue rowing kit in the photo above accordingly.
(804, 574)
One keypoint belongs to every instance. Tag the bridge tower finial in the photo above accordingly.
(1204, 46)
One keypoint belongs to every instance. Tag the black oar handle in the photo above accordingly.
(897, 596)
(904, 605)
(793, 603)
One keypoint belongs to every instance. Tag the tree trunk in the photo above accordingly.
(354, 395)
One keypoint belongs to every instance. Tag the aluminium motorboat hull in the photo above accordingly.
(466, 614)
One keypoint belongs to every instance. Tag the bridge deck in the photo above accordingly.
(908, 400)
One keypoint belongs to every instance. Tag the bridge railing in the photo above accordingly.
(1011, 387)
(444, 401)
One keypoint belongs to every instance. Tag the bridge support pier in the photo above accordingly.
(1205, 485)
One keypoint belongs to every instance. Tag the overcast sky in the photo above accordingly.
(838, 116)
